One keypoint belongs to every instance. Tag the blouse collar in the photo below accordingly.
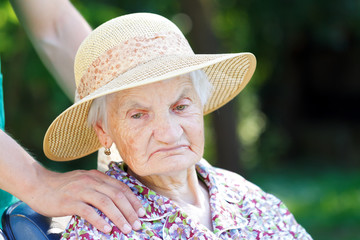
(224, 200)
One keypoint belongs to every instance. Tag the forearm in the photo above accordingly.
(18, 170)
(56, 30)
(72, 193)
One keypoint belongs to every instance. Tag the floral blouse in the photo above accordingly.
(239, 210)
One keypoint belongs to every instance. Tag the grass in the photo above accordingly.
(325, 201)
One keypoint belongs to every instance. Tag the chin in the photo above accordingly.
(170, 165)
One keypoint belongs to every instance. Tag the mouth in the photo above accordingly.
(170, 151)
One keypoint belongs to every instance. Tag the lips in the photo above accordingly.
(170, 151)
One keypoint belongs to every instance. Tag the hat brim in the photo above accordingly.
(70, 137)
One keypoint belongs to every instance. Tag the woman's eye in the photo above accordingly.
(137, 115)
(180, 107)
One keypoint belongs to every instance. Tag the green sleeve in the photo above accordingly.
(2, 112)
(6, 199)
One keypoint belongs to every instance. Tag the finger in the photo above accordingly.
(116, 213)
(124, 190)
(89, 213)
(107, 207)
(124, 199)
(118, 191)
(125, 207)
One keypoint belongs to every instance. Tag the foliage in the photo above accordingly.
(324, 200)
(303, 49)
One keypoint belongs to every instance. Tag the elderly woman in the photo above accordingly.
(142, 88)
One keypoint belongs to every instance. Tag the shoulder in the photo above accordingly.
(236, 188)
(227, 180)
(262, 210)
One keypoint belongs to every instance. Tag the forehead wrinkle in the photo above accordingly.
(124, 98)
(186, 86)
(187, 91)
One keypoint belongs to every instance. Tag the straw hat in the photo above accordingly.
(130, 51)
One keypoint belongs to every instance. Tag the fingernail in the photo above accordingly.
(107, 228)
(127, 228)
(136, 225)
(141, 212)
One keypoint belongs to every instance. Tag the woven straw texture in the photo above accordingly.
(101, 68)
(116, 31)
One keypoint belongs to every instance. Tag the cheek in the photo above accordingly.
(197, 124)
(128, 147)
(201, 138)
(127, 144)
(195, 132)
(132, 145)
(123, 137)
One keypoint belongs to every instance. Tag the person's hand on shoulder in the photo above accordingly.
(63, 194)
(56, 30)
(75, 192)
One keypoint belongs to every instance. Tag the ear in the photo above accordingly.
(103, 136)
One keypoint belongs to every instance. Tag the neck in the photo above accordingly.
(183, 188)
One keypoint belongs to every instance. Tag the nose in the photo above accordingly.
(167, 128)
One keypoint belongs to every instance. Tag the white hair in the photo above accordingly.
(98, 109)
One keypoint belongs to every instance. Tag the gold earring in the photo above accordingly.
(107, 151)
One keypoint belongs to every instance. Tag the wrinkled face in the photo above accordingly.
(158, 128)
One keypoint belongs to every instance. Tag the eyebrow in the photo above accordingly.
(133, 104)
(186, 91)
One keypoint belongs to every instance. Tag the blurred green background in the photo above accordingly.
(294, 130)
